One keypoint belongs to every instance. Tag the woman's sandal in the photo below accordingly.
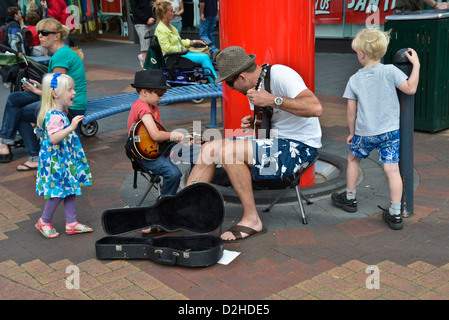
(49, 234)
(85, 228)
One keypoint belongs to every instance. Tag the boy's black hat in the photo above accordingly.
(150, 79)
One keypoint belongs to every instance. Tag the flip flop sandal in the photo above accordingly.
(28, 168)
(237, 230)
(74, 231)
(49, 234)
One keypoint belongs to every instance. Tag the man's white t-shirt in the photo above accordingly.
(286, 82)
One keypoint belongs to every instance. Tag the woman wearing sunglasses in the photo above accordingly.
(21, 107)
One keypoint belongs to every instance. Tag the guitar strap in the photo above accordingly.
(266, 82)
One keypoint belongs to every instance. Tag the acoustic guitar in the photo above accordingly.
(262, 115)
(144, 146)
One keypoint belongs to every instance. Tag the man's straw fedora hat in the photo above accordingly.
(232, 61)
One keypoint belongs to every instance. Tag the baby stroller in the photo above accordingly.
(178, 70)
(15, 66)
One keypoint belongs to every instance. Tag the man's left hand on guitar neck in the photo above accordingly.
(305, 104)
(261, 98)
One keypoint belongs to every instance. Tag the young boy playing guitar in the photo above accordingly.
(151, 85)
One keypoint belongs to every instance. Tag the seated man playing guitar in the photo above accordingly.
(144, 122)
(294, 137)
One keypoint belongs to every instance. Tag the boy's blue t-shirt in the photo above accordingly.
(374, 88)
(69, 59)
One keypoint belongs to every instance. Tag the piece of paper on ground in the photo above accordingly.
(228, 256)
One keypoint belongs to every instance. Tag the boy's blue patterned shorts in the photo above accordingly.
(387, 144)
(280, 158)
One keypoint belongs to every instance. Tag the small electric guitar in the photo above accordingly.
(262, 115)
(144, 146)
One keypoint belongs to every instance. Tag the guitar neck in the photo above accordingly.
(262, 75)
(262, 115)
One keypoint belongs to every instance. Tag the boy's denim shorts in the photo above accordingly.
(280, 158)
(387, 144)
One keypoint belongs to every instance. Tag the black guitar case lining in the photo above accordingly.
(198, 208)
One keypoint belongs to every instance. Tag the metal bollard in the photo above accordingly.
(407, 104)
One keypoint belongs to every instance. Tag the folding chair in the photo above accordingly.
(154, 180)
(293, 182)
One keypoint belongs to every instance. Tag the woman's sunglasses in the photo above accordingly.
(45, 32)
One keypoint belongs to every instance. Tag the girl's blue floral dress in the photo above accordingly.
(63, 167)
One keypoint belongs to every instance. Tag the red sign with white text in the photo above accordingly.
(328, 11)
(356, 11)
(112, 7)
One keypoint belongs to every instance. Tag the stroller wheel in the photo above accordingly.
(90, 129)
(197, 101)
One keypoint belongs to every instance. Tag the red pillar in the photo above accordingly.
(277, 32)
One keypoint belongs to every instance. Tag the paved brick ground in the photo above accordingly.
(314, 263)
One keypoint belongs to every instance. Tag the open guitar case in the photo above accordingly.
(197, 209)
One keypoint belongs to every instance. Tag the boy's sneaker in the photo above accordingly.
(394, 221)
(139, 57)
(340, 200)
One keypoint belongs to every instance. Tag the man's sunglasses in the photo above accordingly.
(232, 81)
(45, 32)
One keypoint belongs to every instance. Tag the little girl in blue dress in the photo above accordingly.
(63, 167)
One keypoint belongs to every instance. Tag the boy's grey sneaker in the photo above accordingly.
(394, 221)
(340, 200)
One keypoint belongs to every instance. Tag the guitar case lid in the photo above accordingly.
(198, 208)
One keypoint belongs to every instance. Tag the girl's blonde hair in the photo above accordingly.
(47, 101)
(372, 42)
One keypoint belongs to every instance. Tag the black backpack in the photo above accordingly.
(4, 39)
(27, 41)
(24, 45)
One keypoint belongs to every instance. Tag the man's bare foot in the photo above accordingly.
(242, 230)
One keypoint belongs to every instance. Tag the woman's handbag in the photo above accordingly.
(199, 48)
